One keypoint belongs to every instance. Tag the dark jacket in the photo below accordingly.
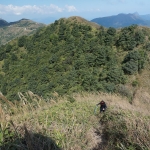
(103, 106)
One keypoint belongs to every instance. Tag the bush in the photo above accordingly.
(71, 99)
(122, 133)
(116, 76)
(124, 91)
(135, 83)
(134, 61)
(21, 41)
(131, 67)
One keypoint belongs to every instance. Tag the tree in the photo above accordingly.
(111, 31)
(130, 67)
(129, 38)
(103, 55)
(13, 57)
(2, 55)
(8, 48)
(6, 66)
(134, 61)
(21, 41)
(116, 75)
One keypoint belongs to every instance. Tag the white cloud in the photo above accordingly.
(94, 10)
(70, 8)
(28, 9)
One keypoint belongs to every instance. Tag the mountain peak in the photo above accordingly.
(121, 20)
(81, 20)
(136, 14)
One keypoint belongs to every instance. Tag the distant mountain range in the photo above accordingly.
(12, 30)
(123, 20)
(146, 17)
(5, 23)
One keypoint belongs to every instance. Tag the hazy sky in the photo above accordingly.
(13, 10)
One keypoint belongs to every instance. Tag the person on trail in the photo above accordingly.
(102, 106)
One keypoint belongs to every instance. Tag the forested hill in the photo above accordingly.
(73, 55)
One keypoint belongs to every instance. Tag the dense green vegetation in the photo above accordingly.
(72, 56)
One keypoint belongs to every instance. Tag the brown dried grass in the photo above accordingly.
(26, 119)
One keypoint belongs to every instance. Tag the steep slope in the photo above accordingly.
(120, 20)
(12, 30)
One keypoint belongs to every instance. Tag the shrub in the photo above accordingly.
(122, 133)
(134, 61)
(124, 91)
(135, 83)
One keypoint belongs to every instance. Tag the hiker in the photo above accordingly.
(102, 106)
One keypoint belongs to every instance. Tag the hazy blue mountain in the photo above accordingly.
(146, 17)
(3, 23)
(121, 20)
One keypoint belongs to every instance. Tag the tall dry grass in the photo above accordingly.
(61, 123)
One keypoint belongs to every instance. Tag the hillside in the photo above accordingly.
(121, 20)
(70, 122)
(51, 81)
(12, 30)
(71, 55)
